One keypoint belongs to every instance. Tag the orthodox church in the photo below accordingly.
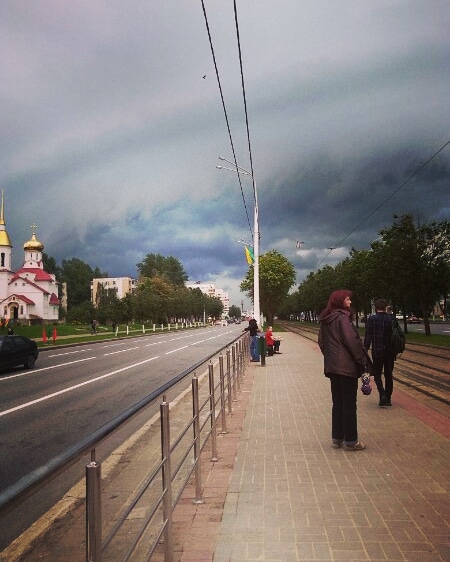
(30, 294)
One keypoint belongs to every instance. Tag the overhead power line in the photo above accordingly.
(245, 98)
(378, 207)
(226, 114)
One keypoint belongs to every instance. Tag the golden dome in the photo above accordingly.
(4, 239)
(33, 245)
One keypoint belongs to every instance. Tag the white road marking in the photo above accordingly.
(70, 388)
(120, 351)
(35, 371)
(175, 350)
(70, 352)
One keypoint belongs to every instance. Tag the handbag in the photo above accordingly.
(366, 388)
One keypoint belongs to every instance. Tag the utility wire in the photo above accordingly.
(226, 116)
(245, 100)
(407, 180)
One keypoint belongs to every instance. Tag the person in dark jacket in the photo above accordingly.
(378, 336)
(252, 329)
(344, 362)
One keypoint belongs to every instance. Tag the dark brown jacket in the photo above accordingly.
(342, 348)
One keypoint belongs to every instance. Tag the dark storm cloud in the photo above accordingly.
(110, 135)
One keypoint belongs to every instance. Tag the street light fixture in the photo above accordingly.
(256, 304)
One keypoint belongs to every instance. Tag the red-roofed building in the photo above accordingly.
(30, 293)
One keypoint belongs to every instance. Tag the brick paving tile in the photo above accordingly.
(280, 493)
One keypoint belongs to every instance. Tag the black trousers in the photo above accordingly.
(344, 423)
(383, 362)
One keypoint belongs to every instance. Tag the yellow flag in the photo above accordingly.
(249, 255)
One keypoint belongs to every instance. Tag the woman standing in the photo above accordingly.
(344, 363)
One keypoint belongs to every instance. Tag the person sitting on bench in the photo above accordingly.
(273, 344)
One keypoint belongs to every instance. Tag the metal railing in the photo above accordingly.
(161, 487)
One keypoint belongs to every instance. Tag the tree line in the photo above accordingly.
(408, 264)
(160, 296)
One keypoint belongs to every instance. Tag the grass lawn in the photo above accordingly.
(75, 333)
(434, 339)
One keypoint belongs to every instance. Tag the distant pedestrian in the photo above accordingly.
(252, 329)
(344, 362)
(378, 337)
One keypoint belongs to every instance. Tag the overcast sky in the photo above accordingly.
(111, 125)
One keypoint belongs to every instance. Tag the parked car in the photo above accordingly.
(16, 351)
(413, 320)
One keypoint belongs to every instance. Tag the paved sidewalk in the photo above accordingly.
(292, 497)
(280, 493)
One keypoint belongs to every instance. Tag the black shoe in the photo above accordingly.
(383, 401)
(388, 402)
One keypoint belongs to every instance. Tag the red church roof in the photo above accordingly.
(54, 299)
(39, 274)
(23, 298)
(25, 280)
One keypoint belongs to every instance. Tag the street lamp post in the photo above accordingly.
(256, 304)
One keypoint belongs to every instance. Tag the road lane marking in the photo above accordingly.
(120, 351)
(70, 388)
(175, 350)
(34, 371)
(70, 352)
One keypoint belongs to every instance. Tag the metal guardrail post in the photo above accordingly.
(233, 374)
(229, 382)
(166, 481)
(241, 359)
(236, 366)
(222, 395)
(197, 446)
(212, 408)
(93, 512)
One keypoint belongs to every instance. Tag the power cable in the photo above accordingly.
(407, 180)
(245, 99)
(226, 116)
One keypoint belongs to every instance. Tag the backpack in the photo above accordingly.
(397, 338)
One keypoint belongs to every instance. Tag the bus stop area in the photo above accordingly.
(279, 492)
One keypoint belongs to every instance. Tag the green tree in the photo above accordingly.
(198, 303)
(50, 265)
(214, 307)
(355, 273)
(78, 276)
(234, 311)
(107, 304)
(168, 268)
(416, 262)
(81, 313)
(276, 277)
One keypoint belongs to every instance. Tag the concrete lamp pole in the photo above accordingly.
(256, 303)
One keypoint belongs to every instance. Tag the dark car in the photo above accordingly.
(413, 320)
(17, 350)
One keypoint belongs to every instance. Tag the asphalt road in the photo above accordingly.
(442, 328)
(73, 391)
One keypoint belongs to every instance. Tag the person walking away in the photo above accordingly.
(252, 329)
(378, 336)
(345, 361)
